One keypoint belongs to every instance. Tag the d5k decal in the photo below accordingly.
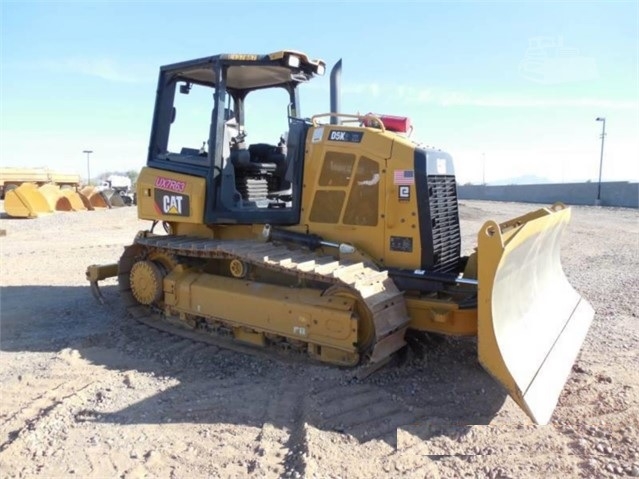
(171, 203)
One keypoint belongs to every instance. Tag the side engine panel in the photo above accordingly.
(344, 176)
(387, 195)
(168, 196)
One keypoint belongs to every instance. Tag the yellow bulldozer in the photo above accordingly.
(334, 240)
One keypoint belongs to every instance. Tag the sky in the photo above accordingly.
(510, 89)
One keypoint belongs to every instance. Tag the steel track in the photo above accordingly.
(374, 290)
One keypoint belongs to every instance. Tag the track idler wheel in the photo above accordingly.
(365, 326)
(146, 282)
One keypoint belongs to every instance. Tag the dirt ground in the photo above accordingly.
(88, 392)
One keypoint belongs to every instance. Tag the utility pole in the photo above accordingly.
(603, 135)
(483, 169)
(88, 152)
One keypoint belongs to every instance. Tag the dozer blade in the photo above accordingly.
(531, 322)
(26, 201)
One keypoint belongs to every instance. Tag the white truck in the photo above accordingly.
(120, 185)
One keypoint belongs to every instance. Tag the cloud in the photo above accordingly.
(456, 99)
(428, 96)
(368, 89)
(102, 68)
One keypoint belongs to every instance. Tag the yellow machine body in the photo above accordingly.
(519, 272)
(169, 196)
(338, 282)
(255, 310)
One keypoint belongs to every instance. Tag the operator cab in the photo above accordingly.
(200, 129)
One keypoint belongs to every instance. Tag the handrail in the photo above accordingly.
(360, 118)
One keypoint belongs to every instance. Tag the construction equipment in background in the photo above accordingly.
(30, 200)
(336, 240)
(62, 199)
(32, 192)
(117, 190)
(26, 201)
(95, 197)
(40, 197)
(11, 178)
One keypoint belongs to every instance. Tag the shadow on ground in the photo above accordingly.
(442, 393)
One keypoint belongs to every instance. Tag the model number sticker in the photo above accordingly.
(169, 203)
(346, 136)
(169, 184)
(242, 57)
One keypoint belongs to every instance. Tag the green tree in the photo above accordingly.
(133, 175)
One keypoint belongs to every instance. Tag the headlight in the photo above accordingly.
(320, 69)
(293, 61)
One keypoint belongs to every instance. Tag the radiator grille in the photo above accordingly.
(444, 216)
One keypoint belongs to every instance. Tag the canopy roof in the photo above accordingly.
(249, 71)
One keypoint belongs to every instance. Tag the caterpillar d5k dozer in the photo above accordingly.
(334, 240)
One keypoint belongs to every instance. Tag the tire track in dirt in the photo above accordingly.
(364, 411)
(27, 418)
(154, 338)
(178, 353)
(281, 445)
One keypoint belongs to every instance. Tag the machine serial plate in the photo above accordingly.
(401, 243)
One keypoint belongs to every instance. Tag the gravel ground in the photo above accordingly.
(87, 392)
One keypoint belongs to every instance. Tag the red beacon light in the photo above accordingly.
(397, 124)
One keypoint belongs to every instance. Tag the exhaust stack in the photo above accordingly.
(336, 76)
